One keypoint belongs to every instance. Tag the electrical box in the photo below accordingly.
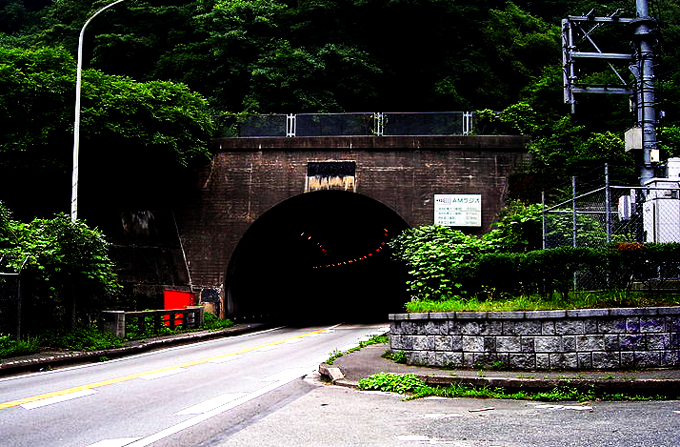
(633, 138)
(661, 211)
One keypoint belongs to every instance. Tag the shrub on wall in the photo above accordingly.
(437, 258)
(444, 263)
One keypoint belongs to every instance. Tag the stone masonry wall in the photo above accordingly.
(541, 340)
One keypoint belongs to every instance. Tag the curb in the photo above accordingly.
(63, 359)
(644, 387)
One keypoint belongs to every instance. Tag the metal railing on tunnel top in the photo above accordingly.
(352, 124)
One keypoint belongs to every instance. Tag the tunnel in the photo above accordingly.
(318, 257)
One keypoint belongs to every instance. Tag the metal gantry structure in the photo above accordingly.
(640, 63)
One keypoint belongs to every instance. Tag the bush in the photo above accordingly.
(444, 264)
(13, 348)
(436, 257)
(83, 338)
(65, 268)
(214, 323)
(392, 383)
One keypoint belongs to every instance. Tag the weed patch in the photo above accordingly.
(378, 339)
(395, 356)
(85, 338)
(13, 348)
(580, 300)
(416, 388)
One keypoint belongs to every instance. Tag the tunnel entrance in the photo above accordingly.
(318, 257)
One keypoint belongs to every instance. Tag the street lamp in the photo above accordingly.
(76, 125)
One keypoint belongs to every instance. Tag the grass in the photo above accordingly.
(581, 300)
(378, 339)
(12, 348)
(395, 356)
(414, 387)
(210, 322)
(88, 338)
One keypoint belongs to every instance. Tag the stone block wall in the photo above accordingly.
(541, 340)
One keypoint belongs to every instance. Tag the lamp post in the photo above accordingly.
(76, 125)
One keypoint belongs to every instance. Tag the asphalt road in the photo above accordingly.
(168, 397)
(327, 415)
(259, 390)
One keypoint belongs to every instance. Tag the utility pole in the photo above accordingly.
(646, 99)
(640, 63)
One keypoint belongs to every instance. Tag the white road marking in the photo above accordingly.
(563, 407)
(287, 375)
(120, 442)
(265, 348)
(205, 416)
(56, 399)
(414, 438)
(443, 416)
(211, 404)
(27, 402)
(165, 373)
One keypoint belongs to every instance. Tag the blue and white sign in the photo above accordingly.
(458, 210)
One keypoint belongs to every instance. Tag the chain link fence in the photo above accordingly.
(619, 214)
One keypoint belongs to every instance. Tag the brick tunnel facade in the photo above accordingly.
(266, 227)
(398, 176)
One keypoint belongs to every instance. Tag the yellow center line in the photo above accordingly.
(90, 386)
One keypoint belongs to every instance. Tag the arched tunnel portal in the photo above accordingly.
(321, 257)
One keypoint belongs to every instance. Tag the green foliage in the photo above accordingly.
(139, 330)
(81, 338)
(64, 262)
(581, 300)
(560, 230)
(450, 270)
(147, 131)
(395, 356)
(436, 257)
(392, 383)
(333, 356)
(377, 339)
(417, 388)
(13, 348)
(214, 323)
(560, 393)
(280, 56)
(518, 228)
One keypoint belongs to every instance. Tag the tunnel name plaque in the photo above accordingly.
(458, 210)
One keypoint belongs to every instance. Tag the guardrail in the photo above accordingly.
(121, 323)
(349, 124)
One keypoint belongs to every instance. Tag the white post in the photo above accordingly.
(76, 125)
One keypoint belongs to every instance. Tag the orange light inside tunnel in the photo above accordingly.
(351, 261)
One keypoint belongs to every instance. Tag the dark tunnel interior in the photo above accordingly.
(316, 258)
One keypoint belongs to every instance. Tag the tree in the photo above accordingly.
(518, 47)
(518, 228)
(141, 132)
(66, 271)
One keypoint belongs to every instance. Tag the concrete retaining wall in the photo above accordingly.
(541, 340)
